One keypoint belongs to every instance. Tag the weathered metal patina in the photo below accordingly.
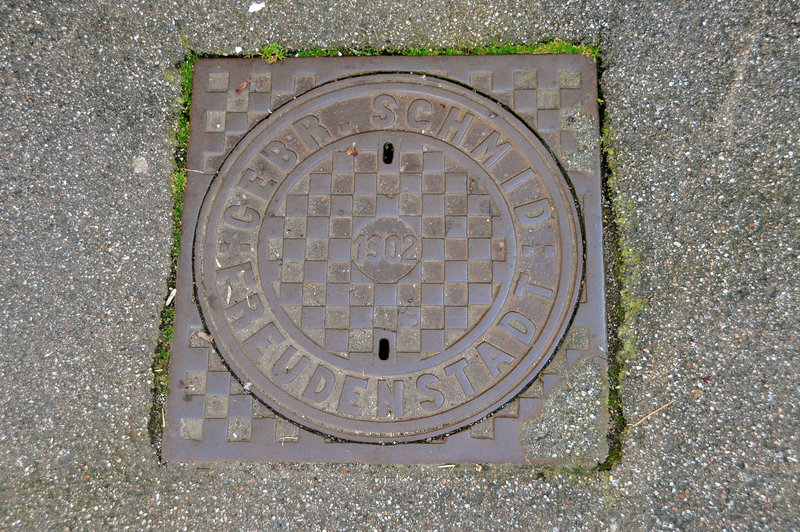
(389, 250)
(397, 210)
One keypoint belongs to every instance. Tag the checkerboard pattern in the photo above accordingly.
(540, 98)
(537, 97)
(191, 428)
(444, 296)
(221, 397)
(237, 103)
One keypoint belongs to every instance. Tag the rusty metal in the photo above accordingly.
(463, 233)
(385, 258)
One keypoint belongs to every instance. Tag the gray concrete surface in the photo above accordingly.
(703, 100)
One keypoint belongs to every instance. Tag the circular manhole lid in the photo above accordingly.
(388, 258)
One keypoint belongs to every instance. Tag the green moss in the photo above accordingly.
(625, 307)
(274, 52)
(178, 187)
(163, 350)
(322, 52)
(551, 47)
(181, 141)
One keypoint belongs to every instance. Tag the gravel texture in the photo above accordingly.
(702, 99)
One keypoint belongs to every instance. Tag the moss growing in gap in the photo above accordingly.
(274, 52)
(556, 46)
(163, 351)
(624, 307)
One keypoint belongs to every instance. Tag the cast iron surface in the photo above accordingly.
(388, 258)
(381, 218)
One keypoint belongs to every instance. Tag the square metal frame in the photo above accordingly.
(561, 418)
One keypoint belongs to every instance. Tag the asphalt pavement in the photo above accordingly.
(703, 113)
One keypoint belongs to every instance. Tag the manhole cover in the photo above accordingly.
(398, 288)
(388, 257)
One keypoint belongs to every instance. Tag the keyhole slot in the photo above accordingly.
(388, 153)
(383, 349)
